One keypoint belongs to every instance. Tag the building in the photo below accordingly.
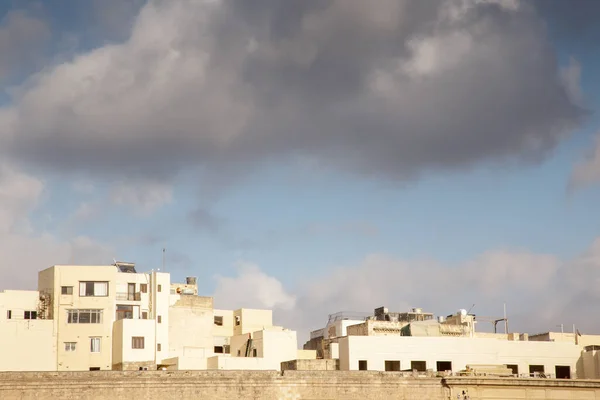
(110, 317)
(417, 341)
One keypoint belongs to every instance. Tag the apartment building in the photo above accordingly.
(418, 341)
(111, 317)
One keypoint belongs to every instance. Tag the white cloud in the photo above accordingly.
(144, 197)
(587, 172)
(251, 288)
(540, 290)
(26, 251)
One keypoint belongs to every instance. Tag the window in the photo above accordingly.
(159, 319)
(30, 315)
(144, 287)
(442, 366)
(239, 353)
(237, 320)
(144, 314)
(9, 314)
(66, 290)
(124, 312)
(254, 353)
(70, 346)
(84, 316)
(562, 372)
(137, 342)
(218, 350)
(93, 289)
(420, 366)
(362, 365)
(159, 288)
(392, 365)
(94, 368)
(95, 344)
(514, 368)
(536, 368)
(218, 320)
(158, 347)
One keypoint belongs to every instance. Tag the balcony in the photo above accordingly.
(124, 296)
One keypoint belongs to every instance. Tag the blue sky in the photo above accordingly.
(289, 167)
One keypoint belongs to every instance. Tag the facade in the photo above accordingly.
(110, 317)
(416, 341)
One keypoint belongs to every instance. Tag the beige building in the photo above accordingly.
(24, 337)
(112, 317)
(417, 341)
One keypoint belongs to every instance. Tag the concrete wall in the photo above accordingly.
(271, 385)
(123, 352)
(251, 320)
(460, 351)
(191, 327)
(25, 344)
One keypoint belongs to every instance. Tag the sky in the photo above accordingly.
(310, 156)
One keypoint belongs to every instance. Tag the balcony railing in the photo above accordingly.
(124, 296)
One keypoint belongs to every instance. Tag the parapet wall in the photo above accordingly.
(272, 385)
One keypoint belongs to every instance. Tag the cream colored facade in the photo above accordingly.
(24, 337)
(402, 341)
(107, 317)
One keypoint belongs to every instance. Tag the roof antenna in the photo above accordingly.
(469, 312)
(163, 258)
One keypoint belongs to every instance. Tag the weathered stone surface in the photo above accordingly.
(272, 385)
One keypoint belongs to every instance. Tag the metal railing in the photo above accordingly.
(125, 296)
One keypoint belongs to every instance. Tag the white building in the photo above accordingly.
(416, 341)
(112, 317)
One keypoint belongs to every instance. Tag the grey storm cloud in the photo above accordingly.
(394, 89)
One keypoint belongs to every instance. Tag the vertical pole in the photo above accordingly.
(505, 320)
(163, 259)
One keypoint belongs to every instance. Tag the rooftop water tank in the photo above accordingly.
(441, 319)
(462, 312)
(417, 310)
(190, 280)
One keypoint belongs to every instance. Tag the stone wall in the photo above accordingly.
(272, 385)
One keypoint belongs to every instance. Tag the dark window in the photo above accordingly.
(124, 312)
(237, 320)
(362, 365)
(158, 347)
(94, 368)
(443, 366)
(66, 290)
(160, 319)
(218, 349)
(9, 314)
(144, 287)
(254, 353)
(137, 342)
(144, 314)
(159, 288)
(420, 366)
(514, 368)
(563, 372)
(30, 315)
(218, 320)
(536, 368)
(392, 365)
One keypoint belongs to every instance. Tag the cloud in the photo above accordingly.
(251, 288)
(22, 39)
(144, 197)
(587, 171)
(393, 90)
(540, 290)
(26, 251)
